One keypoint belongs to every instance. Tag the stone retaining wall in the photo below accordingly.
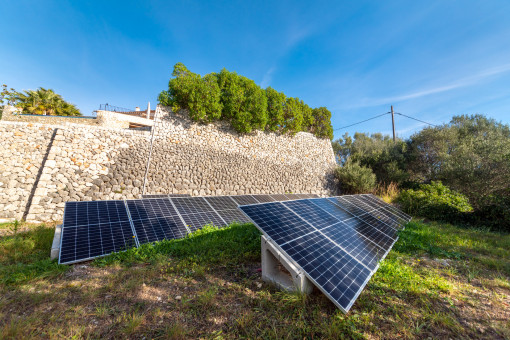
(97, 163)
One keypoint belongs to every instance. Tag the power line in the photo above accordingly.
(421, 121)
(366, 120)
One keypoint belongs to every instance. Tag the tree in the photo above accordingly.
(471, 154)
(321, 125)
(386, 158)
(199, 95)
(244, 102)
(293, 115)
(44, 102)
(240, 101)
(275, 109)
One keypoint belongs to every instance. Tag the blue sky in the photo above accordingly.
(430, 59)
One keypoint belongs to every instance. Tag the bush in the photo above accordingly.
(380, 153)
(435, 201)
(355, 179)
(199, 95)
(238, 100)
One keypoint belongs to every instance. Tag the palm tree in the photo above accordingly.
(45, 102)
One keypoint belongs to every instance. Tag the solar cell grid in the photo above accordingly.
(87, 213)
(190, 205)
(233, 215)
(311, 213)
(347, 205)
(86, 242)
(278, 222)
(158, 229)
(335, 272)
(377, 237)
(279, 197)
(150, 208)
(332, 209)
(386, 206)
(264, 198)
(356, 245)
(198, 220)
(245, 199)
(379, 225)
(221, 202)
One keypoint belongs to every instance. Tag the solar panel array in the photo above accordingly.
(337, 241)
(99, 228)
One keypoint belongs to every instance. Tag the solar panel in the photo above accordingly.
(82, 243)
(93, 229)
(103, 227)
(338, 242)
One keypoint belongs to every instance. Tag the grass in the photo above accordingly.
(439, 281)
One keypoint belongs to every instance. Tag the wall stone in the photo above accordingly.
(98, 163)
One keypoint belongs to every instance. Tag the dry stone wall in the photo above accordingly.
(43, 166)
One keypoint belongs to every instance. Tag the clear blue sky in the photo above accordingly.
(430, 59)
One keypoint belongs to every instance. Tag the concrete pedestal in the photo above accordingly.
(290, 279)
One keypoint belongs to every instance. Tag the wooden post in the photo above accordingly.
(393, 122)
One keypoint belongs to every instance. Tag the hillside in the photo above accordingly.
(439, 280)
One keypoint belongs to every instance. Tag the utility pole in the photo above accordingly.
(393, 123)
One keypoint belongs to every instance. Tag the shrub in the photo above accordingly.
(199, 95)
(238, 100)
(435, 201)
(355, 179)
(275, 105)
(386, 158)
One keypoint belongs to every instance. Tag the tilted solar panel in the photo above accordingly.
(336, 242)
(94, 229)
(98, 228)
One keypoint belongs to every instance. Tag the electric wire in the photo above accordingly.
(421, 121)
(366, 120)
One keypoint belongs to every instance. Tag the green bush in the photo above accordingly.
(355, 179)
(275, 106)
(199, 95)
(238, 100)
(435, 201)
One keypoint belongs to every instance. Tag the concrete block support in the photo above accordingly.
(55, 247)
(290, 279)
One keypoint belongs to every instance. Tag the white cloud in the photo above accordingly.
(463, 82)
(266, 80)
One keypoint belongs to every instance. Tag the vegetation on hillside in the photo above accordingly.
(470, 155)
(40, 102)
(439, 281)
(234, 98)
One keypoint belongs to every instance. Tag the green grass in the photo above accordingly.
(24, 254)
(439, 281)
